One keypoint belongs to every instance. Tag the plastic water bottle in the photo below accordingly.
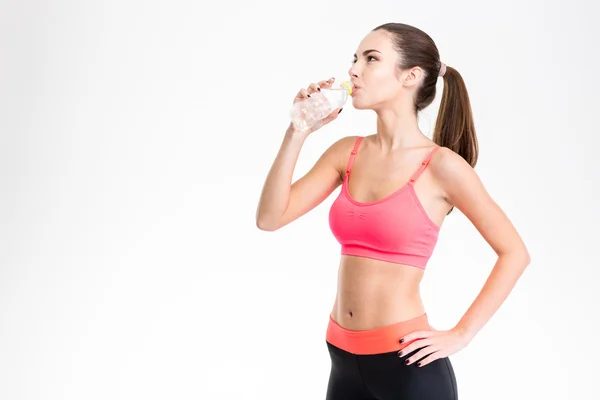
(306, 113)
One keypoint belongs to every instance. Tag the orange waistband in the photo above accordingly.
(374, 341)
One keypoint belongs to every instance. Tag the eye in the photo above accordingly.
(368, 59)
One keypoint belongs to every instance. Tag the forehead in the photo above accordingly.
(378, 40)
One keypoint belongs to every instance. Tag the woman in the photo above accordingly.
(397, 188)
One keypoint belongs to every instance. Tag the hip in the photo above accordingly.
(383, 339)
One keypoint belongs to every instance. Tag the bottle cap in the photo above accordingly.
(347, 85)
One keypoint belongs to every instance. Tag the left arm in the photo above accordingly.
(463, 189)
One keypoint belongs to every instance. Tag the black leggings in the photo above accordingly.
(384, 376)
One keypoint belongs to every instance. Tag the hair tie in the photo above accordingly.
(442, 69)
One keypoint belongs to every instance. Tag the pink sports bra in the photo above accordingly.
(395, 229)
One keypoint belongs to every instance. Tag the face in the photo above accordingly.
(378, 81)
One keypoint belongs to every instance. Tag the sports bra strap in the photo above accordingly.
(353, 154)
(423, 165)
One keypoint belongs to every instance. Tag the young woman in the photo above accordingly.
(397, 188)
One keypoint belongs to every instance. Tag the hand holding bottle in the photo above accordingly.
(314, 108)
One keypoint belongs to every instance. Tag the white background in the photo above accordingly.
(135, 137)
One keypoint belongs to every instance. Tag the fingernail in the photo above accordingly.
(319, 89)
(308, 95)
(400, 354)
(406, 362)
(401, 340)
(418, 364)
(339, 112)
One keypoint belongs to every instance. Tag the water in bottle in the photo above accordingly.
(306, 113)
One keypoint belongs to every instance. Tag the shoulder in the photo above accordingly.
(444, 159)
(451, 171)
(344, 143)
(340, 149)
(338, 153)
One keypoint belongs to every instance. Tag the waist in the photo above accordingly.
(372, 293)
(368, 315)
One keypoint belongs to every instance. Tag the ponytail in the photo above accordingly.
(454, 126)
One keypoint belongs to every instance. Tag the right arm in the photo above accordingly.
(282, 202)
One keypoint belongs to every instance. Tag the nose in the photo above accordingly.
(353, 71)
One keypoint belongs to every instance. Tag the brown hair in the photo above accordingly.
(454, 127)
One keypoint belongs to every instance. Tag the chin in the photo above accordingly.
(359, 105)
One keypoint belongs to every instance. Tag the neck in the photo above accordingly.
(398, 129)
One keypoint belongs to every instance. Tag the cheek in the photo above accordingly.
(381, 84)
(379, 75)
(386, 85)
(375, 94)
(387, 92)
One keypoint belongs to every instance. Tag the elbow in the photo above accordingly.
(527, 258)
(524, 255)
(517, 257)
(265, 225)
(521, 258)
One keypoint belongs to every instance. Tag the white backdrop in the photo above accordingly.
(135, 137)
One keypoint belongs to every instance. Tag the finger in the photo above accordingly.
(313, 87)
(332, 116)
(326, 120)
(416, 335)
(432, 357)
(327, 83)
(420, 354)
(303, 94)
(417, 344)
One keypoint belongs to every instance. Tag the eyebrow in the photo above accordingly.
(368, 51)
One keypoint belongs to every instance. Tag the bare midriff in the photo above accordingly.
(373, 293)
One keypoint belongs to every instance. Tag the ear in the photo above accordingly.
(412, 76)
